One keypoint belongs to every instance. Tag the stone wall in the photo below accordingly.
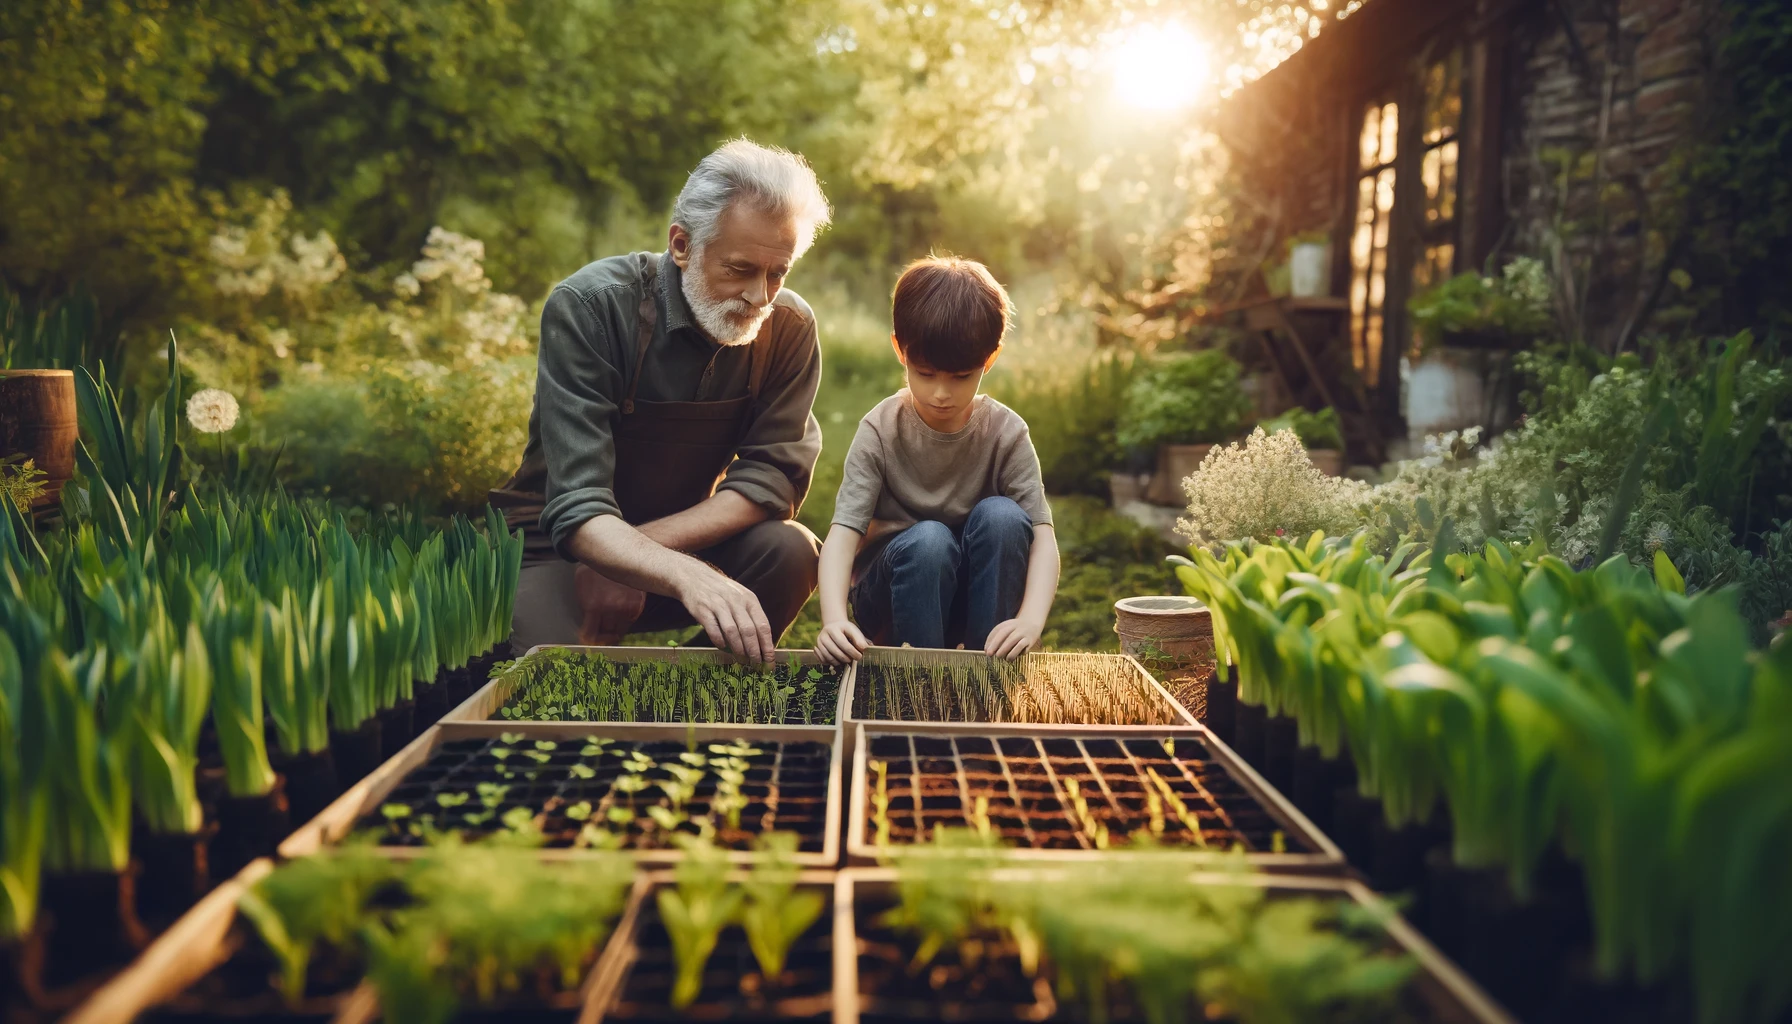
(1600, 95)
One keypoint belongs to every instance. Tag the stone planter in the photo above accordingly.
(1175, 463)
(1446, 390)
(1126, 488)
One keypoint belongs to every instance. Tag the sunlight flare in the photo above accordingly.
(1159, 67)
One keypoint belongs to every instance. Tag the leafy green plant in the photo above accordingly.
(775, 913)
(1541, 705)
(1514, 306)
(695, 912)
(23, 810)
(1315, 429)
(322, 898)
(21, 482)
(1187, 398)
(557, 684)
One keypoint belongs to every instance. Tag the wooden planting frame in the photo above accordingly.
(1441, 985)
(199, 943)
(1159, 702)
(335, 822)
(624, 949)
(1323, 857)
(493, 694)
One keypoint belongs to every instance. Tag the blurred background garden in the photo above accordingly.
(350, 211)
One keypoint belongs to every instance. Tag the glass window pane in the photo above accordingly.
(1446, 190)
(1390, 131)
(1368, 145)
(1443, 98)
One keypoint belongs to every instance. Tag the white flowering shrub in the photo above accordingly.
(414, 387)
(1266, 486)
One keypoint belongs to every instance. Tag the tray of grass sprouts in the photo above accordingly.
(658, 684)
(574, 788)
(893, 684)
(1057, 793)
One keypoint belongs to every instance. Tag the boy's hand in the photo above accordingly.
(840, 642)
(1012, 639)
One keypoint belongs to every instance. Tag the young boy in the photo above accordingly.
(941, 531)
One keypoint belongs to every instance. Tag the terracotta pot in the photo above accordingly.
(1329, 461)
(37, 420)
(1175, 463)
(1178, 628)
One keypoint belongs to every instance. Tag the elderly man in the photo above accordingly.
(673, 433)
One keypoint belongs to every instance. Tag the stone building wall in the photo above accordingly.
(1597, 111)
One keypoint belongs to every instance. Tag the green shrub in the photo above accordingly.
(1315, 429)
(1073, 411)
(1188, 398)
(1515, 305)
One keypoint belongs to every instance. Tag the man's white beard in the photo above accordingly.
(729, 321)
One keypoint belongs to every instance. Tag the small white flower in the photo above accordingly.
(212, 411)
(406, 286)
(1471, 437)
(1658, 538)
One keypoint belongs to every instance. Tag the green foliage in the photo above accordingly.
(562, 685)
(1315, 429)
(1513, 308)
(1187, 398)
(775, 914)
(21, 482)
(471, 925)
(1073, 412)
(695, 913)
(1512, 688)
(61, 335)
(22, 815)
(1174, 940)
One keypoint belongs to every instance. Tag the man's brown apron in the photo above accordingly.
(669, 455)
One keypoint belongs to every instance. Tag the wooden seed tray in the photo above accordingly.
(485, 703)
(863, 700)
(201, 941)
(627, 996)
(1442, 991)
(1025, 773)
(819, 826)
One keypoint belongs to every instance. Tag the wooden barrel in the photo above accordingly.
(37, 419)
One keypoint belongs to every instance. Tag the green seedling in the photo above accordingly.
(582, 771)
(393, 812)
(579, 811)
(452, 799)
(694, 914)
(775, 913)
(880, 802)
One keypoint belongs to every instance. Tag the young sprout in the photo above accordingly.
(620, 815)
(980, 817)
(1189, 819)
(594, 838)
(579, 811)
(581, 771)
(669, 820)
(694, 914)
(452, 799)
(880, 803)
(776, 914)
(491, 794)
(393, 812)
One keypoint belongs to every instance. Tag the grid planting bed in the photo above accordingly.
(636, 786)
(1072, 792)
(900, 685)
(658, 685)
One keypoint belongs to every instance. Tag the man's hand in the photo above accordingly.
(1013, 638)
(728, 612)
(840, 642)
(608, 608)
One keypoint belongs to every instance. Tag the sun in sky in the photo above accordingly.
(1161, 67)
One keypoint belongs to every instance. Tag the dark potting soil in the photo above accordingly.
(174, 871)
(243, 987)
(398, 727)
(933, 780)
(249, 827)
(820, 708)
(90, 919)
(733, 986)
(785, 788)
(310, 783)
(356, 753)
(431, 703)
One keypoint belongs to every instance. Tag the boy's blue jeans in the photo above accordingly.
(933, 586)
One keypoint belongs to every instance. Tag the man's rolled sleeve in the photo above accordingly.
(574, 381)
(776, 460)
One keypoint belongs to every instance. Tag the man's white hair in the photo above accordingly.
(770, 179)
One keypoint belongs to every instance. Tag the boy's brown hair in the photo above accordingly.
(949, 313)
